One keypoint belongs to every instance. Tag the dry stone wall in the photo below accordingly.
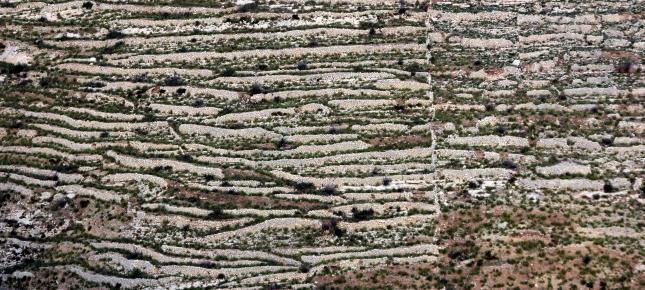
(333, 144)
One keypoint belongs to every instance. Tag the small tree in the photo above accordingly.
(228, 71)
(328, 190)
(331, 226)
(281, 143)
(508, 163)
(607, 141)
(608, 188)
(198, 102)
(112, 34)
(304, 186)
(302, 65)
(173, 80)
(362, 214)
(500, 129)
(624, 67)
(586, 259)
(304, 268)
(257, 88)
(413, 68)
(402, 8)
(186, 157)
(58, 202)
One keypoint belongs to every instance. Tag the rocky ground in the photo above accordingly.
(334, 144)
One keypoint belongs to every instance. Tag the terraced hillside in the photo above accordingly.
(348, 144)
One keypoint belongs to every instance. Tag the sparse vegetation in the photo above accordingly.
(321, 144)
